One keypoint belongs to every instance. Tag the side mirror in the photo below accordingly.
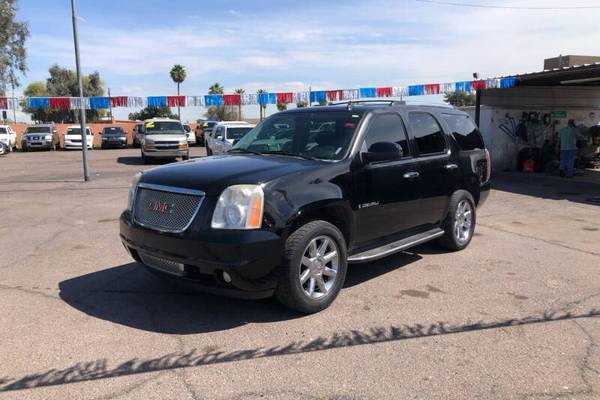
(383, 151)
(219, 137)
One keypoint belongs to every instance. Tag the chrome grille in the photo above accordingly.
(165, 208)
(169, 266)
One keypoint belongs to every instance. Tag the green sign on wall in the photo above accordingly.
(558, 114)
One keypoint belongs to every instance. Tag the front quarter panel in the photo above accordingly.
(293, 196)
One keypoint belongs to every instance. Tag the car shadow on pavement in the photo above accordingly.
(131, 296)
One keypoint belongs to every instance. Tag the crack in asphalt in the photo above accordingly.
(550, 242)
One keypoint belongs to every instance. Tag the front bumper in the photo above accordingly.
(38, 144)
(249, 257)
(113, 143)
(74, 145)
(170, 153)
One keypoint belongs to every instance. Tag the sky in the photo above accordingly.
(290, 45)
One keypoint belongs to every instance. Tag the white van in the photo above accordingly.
(163, 138)
(73, 137)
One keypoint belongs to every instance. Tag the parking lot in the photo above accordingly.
(515, 315)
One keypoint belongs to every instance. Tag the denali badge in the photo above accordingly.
(160, 206)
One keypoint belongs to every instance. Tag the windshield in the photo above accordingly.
(37, 129)
(323, 134)
(112, 131)
(163, 127)
(237, 133)
(77, 131)
(3, 130)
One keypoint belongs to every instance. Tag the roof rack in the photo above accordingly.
(388, 102)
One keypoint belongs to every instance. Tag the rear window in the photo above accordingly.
(465, 132)
(428, 133)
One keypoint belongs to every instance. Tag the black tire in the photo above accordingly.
(450, 240)
(144, 158)
(186, 157)
(289, 290)
(208, 151)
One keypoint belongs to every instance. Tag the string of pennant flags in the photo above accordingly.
(318, 96)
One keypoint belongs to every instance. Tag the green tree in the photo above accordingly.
(215, 88)
(239, 91)
(36, 89)
(281, 106)
(152, 112)
(12, 46)
(178, 76)
(460, 99)
(262, 107)
(301, 104)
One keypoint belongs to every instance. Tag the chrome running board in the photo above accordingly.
(394, 247)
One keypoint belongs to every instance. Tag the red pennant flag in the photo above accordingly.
(60, 103)
(3, 103)
(384, 92)
(118, 101)
(232, 99)
(335, 95)
(432, 88)
(174, 101)
(478, 85)
(285, 98)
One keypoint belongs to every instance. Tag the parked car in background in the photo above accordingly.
(8, 137)
(4, 149)
(73, 138)
(203, 129)
(191, 136)
(305, 193)
(224, 135)
(113, 136)
(137, 134)
(163, 138)
(43, 137)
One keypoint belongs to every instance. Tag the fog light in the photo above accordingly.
(226, 277)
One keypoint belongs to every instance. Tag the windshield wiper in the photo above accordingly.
(239, 150)
(287, 153)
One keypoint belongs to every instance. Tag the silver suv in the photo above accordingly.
(43, 137)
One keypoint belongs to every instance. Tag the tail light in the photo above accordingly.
(488, 166)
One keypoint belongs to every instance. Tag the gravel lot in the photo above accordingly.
(513, 316)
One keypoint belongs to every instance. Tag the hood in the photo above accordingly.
(166, 136)
(213, 174)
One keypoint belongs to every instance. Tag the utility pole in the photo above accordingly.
(86, 174)
(14, 101)
(110, 107)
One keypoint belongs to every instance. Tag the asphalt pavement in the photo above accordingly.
(514, 316)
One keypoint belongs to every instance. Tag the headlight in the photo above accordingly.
(132, 190)
(239, 207)
(48, 137)
(148, 141)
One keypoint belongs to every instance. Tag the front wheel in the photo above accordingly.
(459, 225)
(186, 157)
(314, 267)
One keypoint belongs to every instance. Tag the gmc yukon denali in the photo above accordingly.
(307, 192)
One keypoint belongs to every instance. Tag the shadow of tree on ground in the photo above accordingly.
(99, 369)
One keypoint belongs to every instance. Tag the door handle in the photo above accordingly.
(411, 175)
(450, 166)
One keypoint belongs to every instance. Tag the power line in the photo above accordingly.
(471, 5)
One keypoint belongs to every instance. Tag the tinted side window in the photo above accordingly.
(464, 131)
(428, 133)
(387, 128)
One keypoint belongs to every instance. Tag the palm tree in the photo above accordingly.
(240, 91)
(178, 76)
(262, 107)
(215, 88)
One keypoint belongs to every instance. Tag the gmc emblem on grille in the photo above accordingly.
(160, 206)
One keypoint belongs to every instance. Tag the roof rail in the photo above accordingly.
(388, 102)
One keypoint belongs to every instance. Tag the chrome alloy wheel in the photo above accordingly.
(463, 220)
(319, 267)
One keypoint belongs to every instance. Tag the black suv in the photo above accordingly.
(305, 193)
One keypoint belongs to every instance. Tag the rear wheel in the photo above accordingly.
(314, 267)
(459, 225)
